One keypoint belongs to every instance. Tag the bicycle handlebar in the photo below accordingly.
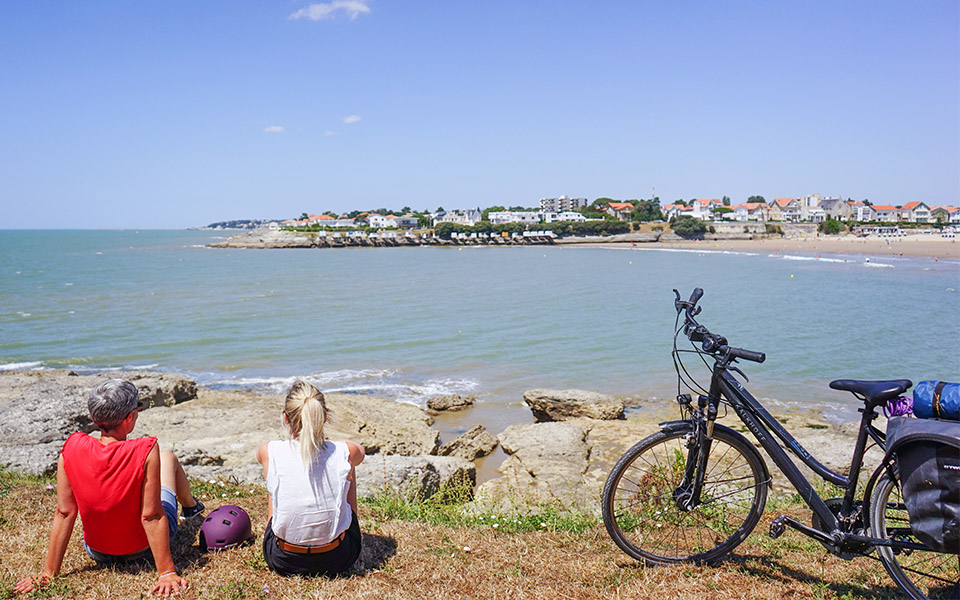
(711, 342)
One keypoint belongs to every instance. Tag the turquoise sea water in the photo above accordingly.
(414, 322)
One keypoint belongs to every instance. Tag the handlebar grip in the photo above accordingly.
(696, 295)
(758, 357)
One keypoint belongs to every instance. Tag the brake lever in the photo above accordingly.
(737, 370)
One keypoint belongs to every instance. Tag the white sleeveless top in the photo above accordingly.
(309, 506)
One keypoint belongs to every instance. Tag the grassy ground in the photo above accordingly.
(432, 550)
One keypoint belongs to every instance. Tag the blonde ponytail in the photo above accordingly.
(306, 411)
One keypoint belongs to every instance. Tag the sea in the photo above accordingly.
(411, 323)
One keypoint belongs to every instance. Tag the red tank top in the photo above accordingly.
(107, 482)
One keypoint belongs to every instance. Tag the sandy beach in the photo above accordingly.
(934, 247)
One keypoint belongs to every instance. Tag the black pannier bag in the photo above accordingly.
(927, 453)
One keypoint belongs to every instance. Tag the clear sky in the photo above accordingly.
(180, 113)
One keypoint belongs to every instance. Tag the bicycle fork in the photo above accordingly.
(699, 442)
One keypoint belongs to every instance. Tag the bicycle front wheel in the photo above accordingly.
(921, 574)
(644, 514)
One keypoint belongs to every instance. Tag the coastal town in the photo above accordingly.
(812, 208)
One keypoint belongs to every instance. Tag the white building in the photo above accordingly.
(886, 213)
(915, 212)
(562, 204)
(380, 221)
(509, 216)
(469, 217)
(749, 211)
(553, 217)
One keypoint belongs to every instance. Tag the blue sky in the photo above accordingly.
(177, 114)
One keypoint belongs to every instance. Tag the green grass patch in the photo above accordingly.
(10, 480)
(224, 490)
(454, 508)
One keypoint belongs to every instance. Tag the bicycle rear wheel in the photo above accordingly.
(921, 574)
(645, 519)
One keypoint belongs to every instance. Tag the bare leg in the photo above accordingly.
(172, 476)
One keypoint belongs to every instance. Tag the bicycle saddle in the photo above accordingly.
(874, 392)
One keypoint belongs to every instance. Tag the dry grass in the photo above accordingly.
(413, 559)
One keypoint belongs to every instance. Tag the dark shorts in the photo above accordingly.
(168, 499)
(329, 564)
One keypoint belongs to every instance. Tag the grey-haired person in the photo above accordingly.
(125, 491)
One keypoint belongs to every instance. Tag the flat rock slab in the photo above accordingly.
(558, 405)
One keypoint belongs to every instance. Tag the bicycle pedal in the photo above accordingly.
(778, 526)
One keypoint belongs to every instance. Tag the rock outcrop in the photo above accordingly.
(546, 464)
(382, 426)
(216, 433)
(268, 238)
(559, 405)
(412, 476)
(450, 402)
(470, 445)
(40, 409)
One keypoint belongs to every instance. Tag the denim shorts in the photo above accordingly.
(169, 501)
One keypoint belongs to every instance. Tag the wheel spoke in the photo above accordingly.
(645, 516)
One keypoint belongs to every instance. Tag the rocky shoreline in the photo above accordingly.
(563, 457)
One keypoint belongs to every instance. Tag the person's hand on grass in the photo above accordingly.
(169, 584)
(28, 584)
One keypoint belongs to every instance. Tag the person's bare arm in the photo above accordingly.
(61, 529)
(157, 529)
(263, 457)
(357, 454)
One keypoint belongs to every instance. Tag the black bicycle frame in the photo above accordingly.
(761, 423)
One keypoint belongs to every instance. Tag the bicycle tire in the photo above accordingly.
(644, 520)
(922, 575)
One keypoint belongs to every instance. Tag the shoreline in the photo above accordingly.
(918, 245)
(247, 418)
(912, 246)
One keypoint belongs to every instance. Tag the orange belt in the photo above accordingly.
(298, 549)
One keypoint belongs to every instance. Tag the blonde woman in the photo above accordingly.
(313, 527)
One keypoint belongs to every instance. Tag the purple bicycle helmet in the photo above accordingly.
(225, 527)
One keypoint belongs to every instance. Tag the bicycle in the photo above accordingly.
(696, 489)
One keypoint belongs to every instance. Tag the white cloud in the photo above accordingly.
(329, 133)
(351, 119)
(274, 129)
(320, 12)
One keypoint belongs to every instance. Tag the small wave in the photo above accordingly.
(810, 258)
(20, 365)
(84, 369)
(416, 394)
(695, 251)
(795, 257)
(880, 265)
(321, 380)
(370, 382)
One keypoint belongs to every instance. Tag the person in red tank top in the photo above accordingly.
(125, 492)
